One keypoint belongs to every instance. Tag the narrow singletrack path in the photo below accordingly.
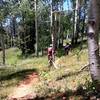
(23, 91)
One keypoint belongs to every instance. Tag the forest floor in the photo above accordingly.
(27, 78)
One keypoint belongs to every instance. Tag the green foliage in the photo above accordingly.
(26, 26)
(44, 37)
(25, 9)
(60, 52)
(2, 31)
(77, 52)
(12, 57)
(66, 22)
(4, 10)
(89, 85)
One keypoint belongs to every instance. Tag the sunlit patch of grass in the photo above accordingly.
(12, 56)
(6, 87)
(74, 61)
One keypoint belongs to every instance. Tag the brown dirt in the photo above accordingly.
(23, 91)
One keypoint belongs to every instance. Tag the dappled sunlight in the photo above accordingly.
(49, 50)
(66, 77)
(76, 61)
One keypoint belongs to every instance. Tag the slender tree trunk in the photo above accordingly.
(36, 30)
(93, 45)
(83, 27)
(52, 30)
(55, 30)
(61, 26)
(59, 30)
(11, 34)
(75, 17)
(3, 48)
(23, 35)
(14, 29)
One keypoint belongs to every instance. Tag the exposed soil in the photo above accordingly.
(23, 91)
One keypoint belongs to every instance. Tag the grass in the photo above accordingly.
(51, 80)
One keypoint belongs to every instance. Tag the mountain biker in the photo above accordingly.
(50, 54)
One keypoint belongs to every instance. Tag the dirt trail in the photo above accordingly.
(23, 90)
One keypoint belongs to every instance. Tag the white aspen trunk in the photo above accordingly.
(93, 45)
(55, 30)
(75, 21)
(52, 30)
(76, 17)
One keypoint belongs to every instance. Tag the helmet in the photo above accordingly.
(51, 45)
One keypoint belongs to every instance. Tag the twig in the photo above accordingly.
(84, 67)
(54, 65)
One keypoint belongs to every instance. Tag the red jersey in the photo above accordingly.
(50, 50)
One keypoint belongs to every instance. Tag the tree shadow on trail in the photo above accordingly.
(19, 74)
(67, 95)
(68, 75)
(79, 94)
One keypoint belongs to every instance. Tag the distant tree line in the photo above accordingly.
(19, 18)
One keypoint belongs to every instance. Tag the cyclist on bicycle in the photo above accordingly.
(50, 54)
